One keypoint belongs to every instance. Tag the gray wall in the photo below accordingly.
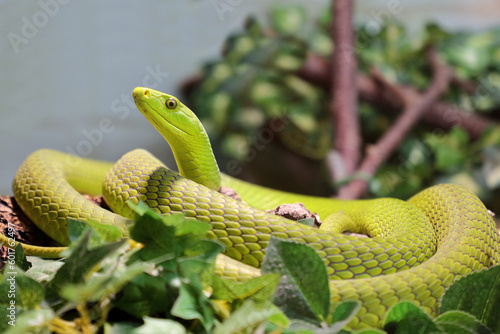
(67, 67)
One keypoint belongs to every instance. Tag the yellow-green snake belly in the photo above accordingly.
(446, 227)
(416, 250)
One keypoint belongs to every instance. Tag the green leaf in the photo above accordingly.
(490, 138)
(101, 233)
(461, 322)
(246, 318)
(259, 288)
(186, 259)
(201, 250)
(80, 262)
(9, 317)
(133, 296)
(77, 228)
(18, 293)
(193, 304)
(307, 221)
(28, 321)
(155, 326)
(344, 312)
(276, 320)
(189, 228)
(18, 290)
(174, 241)
(288, 19)
(120, 327)
(370, 331)
(406, 317)
(339, 319)
(477, 294)
(43, 270)
(152, 231)
(450, 149)
(106, 232)
(185, 306)
(303, 292)
(20, 258)
(104, 284)
(303, 327)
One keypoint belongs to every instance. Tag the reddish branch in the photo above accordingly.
(414, 106)
(440, 114)
(344, 88)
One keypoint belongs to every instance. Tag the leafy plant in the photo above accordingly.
(260, 79)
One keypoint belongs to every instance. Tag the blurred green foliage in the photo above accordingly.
(257, 81)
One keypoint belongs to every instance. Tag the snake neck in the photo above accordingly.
(196, 161)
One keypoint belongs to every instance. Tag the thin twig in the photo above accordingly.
(344, 94)
(415, 104)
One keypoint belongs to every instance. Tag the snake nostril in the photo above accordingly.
(146, 92)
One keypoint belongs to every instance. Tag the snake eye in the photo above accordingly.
(170, 103)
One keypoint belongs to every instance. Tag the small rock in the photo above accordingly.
(229, 192)
(295, 212)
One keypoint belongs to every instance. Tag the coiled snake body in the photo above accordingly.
(416, 250)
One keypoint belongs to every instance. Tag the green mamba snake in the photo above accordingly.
(416, 250)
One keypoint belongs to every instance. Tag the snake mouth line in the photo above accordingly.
(166, 120)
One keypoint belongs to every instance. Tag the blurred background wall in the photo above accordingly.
(67, 68)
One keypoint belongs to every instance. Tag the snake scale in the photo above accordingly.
(416, 250)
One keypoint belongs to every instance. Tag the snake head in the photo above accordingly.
(184, 133)
(168, 115)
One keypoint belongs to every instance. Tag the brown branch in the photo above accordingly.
(440, 114)
(415, 104)
(344, 94)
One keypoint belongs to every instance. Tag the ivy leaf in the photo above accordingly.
(103, 285)
(132, 298)
(175, 243)
(406, 317)
(17, 289)
(343, 313)
(28, 321)
(20, 259)
(18, 293)
(246, 318)
(79, 263)
(307, 221)
(461, 322)
(339, 319)
(303, 292)
(155, 233)
(193, 304)
(259, 288)
(43, 270)
(154, 326)
(477, 294)
(101, 233)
